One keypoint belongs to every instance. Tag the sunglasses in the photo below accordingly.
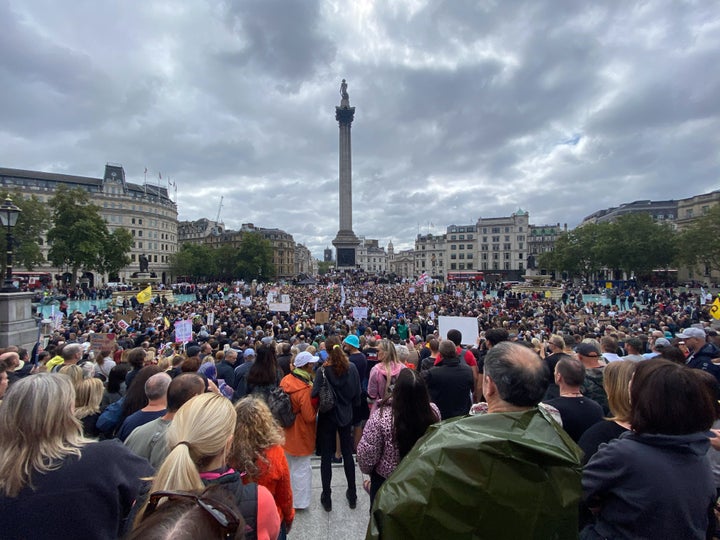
(225, 516)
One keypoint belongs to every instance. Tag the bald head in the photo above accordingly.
(518, 373)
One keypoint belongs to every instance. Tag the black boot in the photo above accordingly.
(326, 501)
(352, 498)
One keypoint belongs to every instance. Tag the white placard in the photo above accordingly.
(278, 306)
(285, 298)
(210, 318)
(468, 326)
(359, 313)
(183, 331)
(247, 301)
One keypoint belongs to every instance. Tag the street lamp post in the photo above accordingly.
(9, 214)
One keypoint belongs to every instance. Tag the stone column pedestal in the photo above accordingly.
(17, 325)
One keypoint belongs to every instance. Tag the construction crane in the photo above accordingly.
(217, 230)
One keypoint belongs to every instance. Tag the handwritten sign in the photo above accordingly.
(183, 331)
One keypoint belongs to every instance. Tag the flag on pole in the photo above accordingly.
(145, 295)
(167, 322)
(160, 176)
(715, 308)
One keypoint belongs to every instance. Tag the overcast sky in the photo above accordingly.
(464, 109)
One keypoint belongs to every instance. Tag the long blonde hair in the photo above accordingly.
(255, 432)
(88, 396)
(198, 433)
(616, 380)
(37, 429)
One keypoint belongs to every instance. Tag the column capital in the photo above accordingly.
(344, 115)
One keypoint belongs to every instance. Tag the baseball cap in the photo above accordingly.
(305, 358)
(587, 349)
(692, 333)
(248, 353)
(193, 350)
(662, 342)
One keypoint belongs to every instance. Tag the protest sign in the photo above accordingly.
(467, 325)
(183, 331)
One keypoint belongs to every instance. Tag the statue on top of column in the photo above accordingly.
(345, 101)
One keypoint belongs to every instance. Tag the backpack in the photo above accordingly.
(281, 407)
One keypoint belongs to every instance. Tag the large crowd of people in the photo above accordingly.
(196, 419)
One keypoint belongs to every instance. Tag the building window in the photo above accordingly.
(453, 246)
(461, 266)
(484, 247)
(484, 256)
(496, 256)
(506, 256)
(496, 247)
(469, 255)
(496, 230)
(484, 266)
(462, 256)
(507, 247)
(507, 229)
(453, 256)
(452, 266)
(507, 266)
(461, 246)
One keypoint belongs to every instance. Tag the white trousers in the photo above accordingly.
(301, 480)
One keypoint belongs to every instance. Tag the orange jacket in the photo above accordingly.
(275, 476)
(300, 437)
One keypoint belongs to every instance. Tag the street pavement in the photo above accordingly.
(340, 523)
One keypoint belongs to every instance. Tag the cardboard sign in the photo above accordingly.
(100, 341)
(321, 317)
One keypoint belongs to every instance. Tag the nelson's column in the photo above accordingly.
(345, 241)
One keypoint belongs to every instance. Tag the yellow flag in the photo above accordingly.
(715, 308)
(167, 323)
(145, 295)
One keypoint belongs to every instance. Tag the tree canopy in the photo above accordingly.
(252, 260)
(32, 223)
(633, 244)
(79, 237)
(699, 244)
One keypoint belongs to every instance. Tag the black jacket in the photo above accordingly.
(450, 384)
(347, 393)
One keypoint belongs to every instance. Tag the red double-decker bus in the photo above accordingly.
(32, 280)
(468, 275)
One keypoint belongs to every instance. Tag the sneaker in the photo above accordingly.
(326, 502)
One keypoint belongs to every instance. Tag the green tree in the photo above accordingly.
(576, 251)
(699, 244)
(255, 258)
(79, 236)
(226, 260)
(325, 266)
(636, 244)
(115, 255)
(196, 261)
(33, 222)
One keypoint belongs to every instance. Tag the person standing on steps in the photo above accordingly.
(345, 381)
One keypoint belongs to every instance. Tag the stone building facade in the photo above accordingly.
(146, 210)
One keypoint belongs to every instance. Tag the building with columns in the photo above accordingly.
(145, 210)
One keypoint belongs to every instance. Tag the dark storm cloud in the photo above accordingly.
(280, 38)
(464, 108)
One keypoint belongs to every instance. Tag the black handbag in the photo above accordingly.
(326, 394)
